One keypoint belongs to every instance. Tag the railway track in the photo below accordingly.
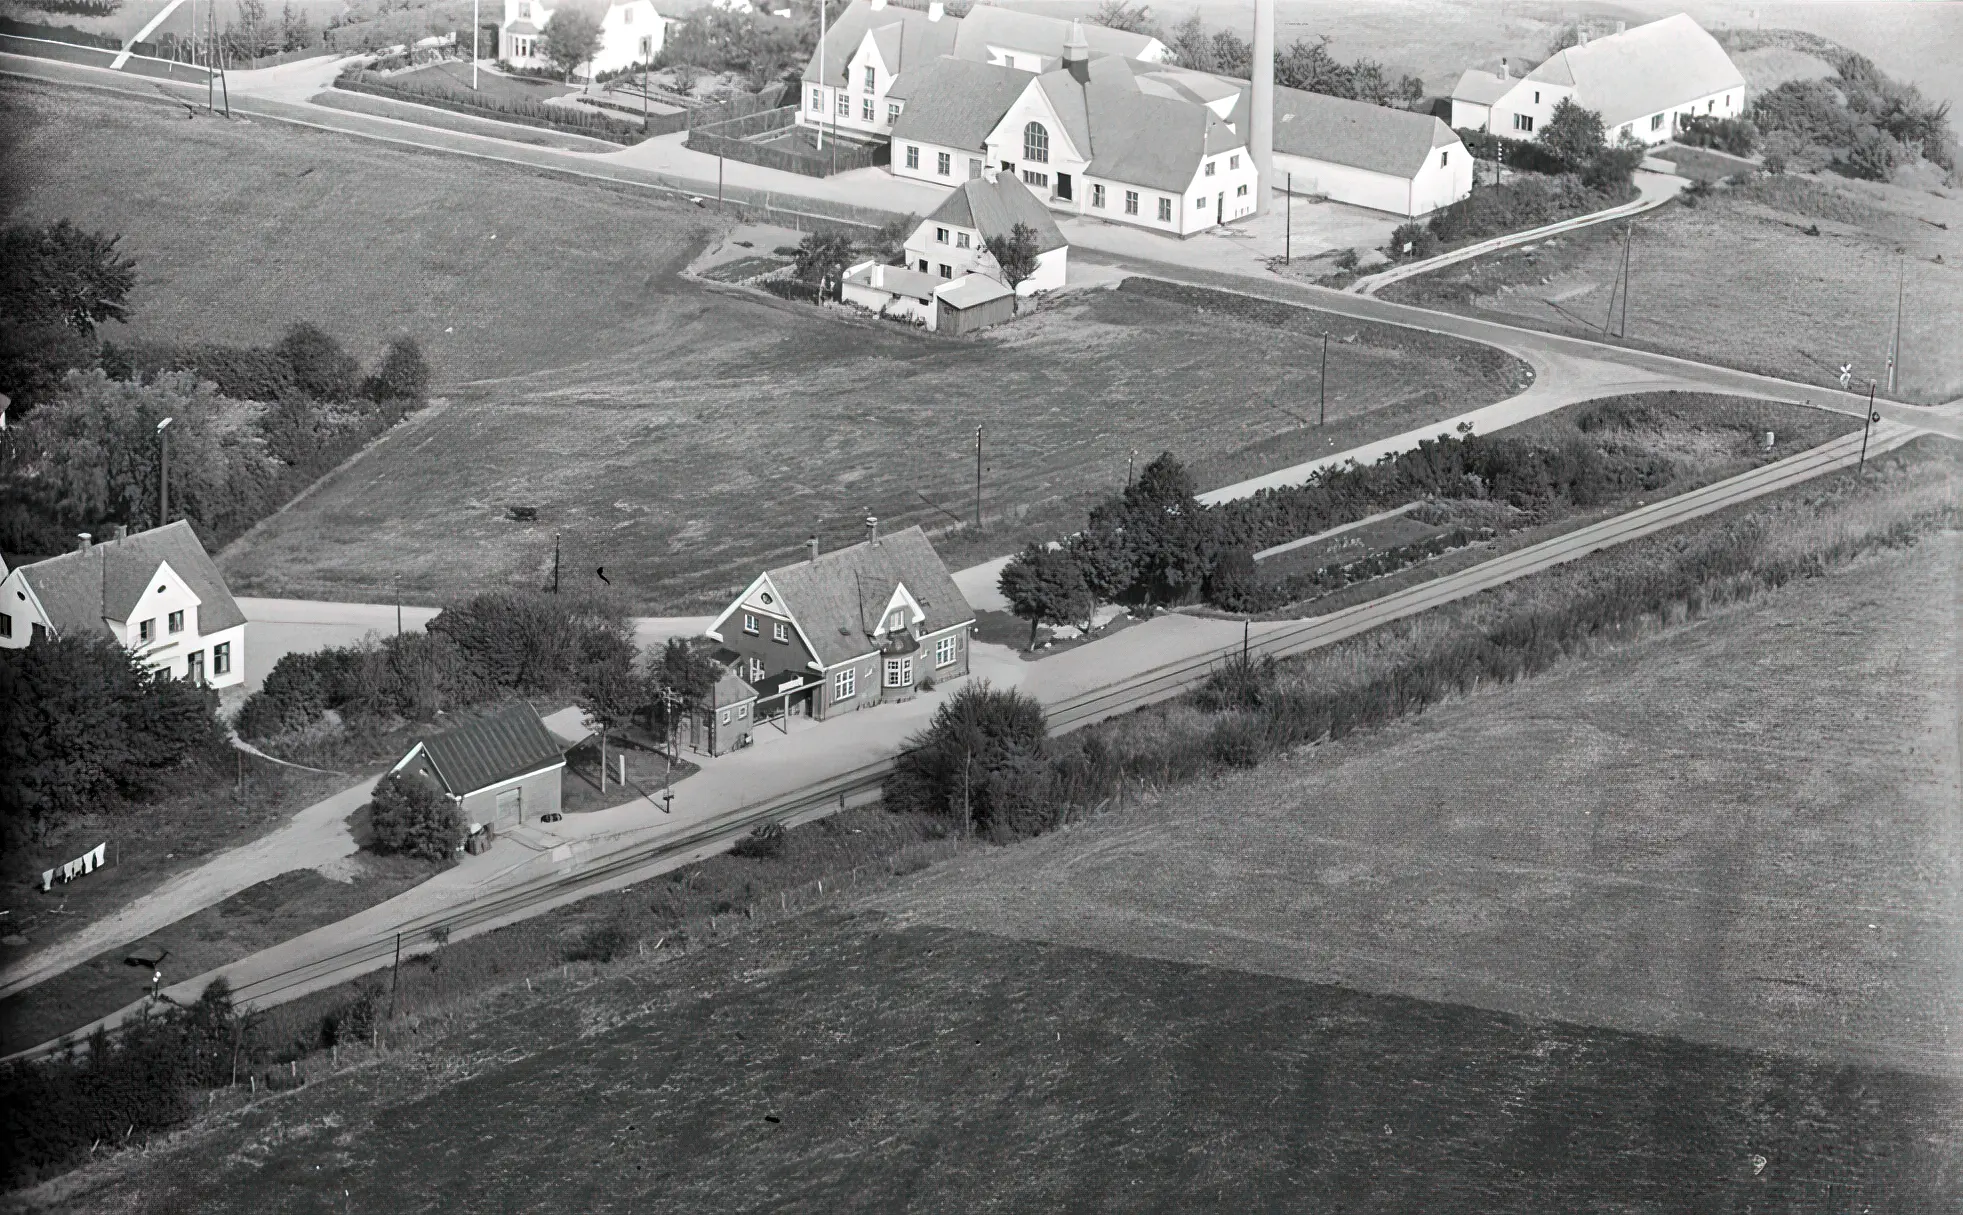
(639, 862)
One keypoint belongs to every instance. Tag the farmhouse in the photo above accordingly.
(1367, 155)
(1644, 82)
(631, 32)
(953, 241)
(847, 629)
(500, 769)
(156, 592)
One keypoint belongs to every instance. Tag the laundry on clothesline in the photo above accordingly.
(90, 861)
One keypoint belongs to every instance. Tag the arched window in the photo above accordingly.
(1036, 143)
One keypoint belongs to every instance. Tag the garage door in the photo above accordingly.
(511, 807)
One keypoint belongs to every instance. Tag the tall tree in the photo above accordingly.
(572, 37)
(684, 675)
(1045, 585)
(1015, 253)
(610, 689)
(821, 260)
(1573, 134)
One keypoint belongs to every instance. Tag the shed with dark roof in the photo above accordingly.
(502, 768)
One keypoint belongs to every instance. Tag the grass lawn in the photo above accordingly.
(454, 78)
(1739, 281)
(242, 229)
(430, 116)
(253, 919)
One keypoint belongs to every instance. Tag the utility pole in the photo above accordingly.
(555, 563)
(821, 74)
(1867, 422)
(1322, 409)
(978, 477)
(163, 480)
(398, 606)
(1895, 347)
(1288, 223)
(395, 978)
(477, 24)
(1628, 238)
(1130, 462)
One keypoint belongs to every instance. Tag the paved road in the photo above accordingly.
(1653, 190)
(811, 771)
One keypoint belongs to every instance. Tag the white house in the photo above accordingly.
(1367, 155)
(1644, 82)
(156, 593)
(631, 32)
(953, 241)
(892, 291)
(850, 81)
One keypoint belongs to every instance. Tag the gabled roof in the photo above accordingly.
(1356, 133)
(731, 689)
(1643, 71)
(914, 38)
(955, 103)
(80, 590)
(1034, 34)
(972, 289)
(1134, 136)
(1482, 88)
(994, 208)
(836, 600)
(521, 27)
(477, 754)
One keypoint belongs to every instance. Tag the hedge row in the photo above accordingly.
(526, 113)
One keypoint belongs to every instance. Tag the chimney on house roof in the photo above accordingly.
(122, 532)
(936, 11)
(1077, 54)
(1506, 73)
(85, 538)
(813, 542)
(872, 528)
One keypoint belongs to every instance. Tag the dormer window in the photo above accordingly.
(896, 621)
(872, 79)
(525, 9)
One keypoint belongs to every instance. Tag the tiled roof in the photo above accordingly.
(1356, 133)
(993, 208)
(480, 753)
(972, 289)
(730, 690)
(837, 599)
(1481, 88)
(954, 103)
(79, 590)
(1133, 136)
(1032, 33)
(1643, 71)
(914, 39)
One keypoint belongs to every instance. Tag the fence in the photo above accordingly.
(734, 139)
(531, 114)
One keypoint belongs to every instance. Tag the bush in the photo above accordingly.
(1412, 240)
(1234, 585)
(764, 842)
(321, 368)
(413, 817)
(1346, 259)
(1738, 136)
(1774, 163)
(529, 642)
(600, 943)
(1612, 170)
(1873, 156)
(402, 376)
(245, 373)
(973, 762)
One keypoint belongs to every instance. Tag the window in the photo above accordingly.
(756, 670)
(923, 265)
(6, 625)
(899, 672)
(1063, 185)
(1727, 101)
(194, 666)
(1444, 158)
(147, 631)
(913, 157)
(974, 169)
(817, 101)
(742, 712)
(1097, 196)
(844, 106)
(872, 79)
(1210, 165)
(896, 620)
(845, 685)
(947, 271)
(1036, 143)
(1656, 122)
(780, 632)
(865, 110)
(725, 717)
(940, 236)
(1031, 177)
(892, 111)
(1131, 202)
(1165, 210)
(176, 622)
(944, 651)
(221, 658)
(944, 163)
(749, 624)
(1241, 192)
(961, 240)
(1523, 122)
(1536, 96)
(1233, 162)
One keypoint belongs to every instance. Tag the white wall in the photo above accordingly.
(1470, 115)
(1348, 184)
(1005, 146)
(623, 27)
(1727, 104)
(923, 245)
(1445, 179)
(18, 602)
(1531, 98)
(875, 298)
(959, 170)
(165, 651)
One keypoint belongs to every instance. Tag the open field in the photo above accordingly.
(1740, 281)
(240, 229)
(255, 918)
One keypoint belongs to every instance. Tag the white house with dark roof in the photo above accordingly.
(1367, 155)
(949, 109)
(953, 241)
(631, 32)
(1645, 82)
(847, 629)
(157, 593)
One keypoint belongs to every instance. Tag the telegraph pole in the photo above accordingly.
(163, 479)
(1867, 423)
(555, 563)
(978, 477)
(1288, 223)
(1895, 348)
(1322, 409)
(1628, 238)
(476, 25)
